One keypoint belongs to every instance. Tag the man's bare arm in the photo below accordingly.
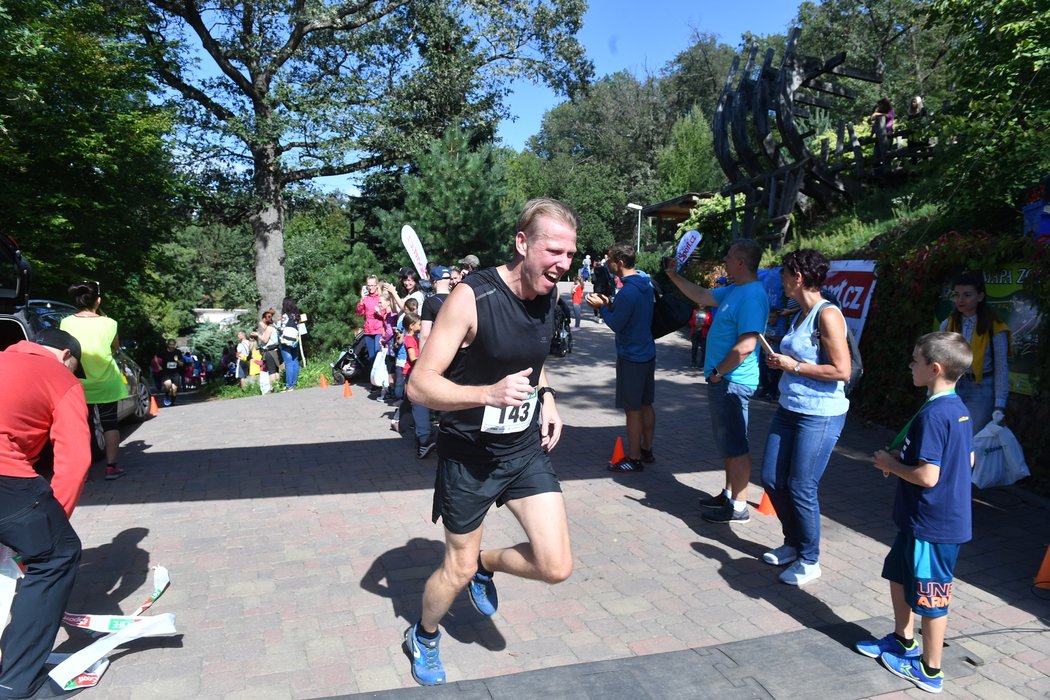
(453, 329)
(696, 293)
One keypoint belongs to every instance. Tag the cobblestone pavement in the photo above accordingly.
(297, 533)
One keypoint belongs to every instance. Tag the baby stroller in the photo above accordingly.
(350, 365)
(561, 342)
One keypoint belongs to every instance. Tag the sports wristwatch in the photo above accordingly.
(547, 390)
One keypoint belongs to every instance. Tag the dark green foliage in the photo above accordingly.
(456, 199)
(84, 169)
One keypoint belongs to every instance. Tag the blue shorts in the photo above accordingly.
(728, 402)
(925, 570)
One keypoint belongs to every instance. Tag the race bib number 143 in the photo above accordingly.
(510, 419)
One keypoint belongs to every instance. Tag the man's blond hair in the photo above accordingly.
(543, 206)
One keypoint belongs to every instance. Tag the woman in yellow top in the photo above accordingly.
(986, 386)
(104, 386)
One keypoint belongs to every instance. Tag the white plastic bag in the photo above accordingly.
(998, 458)
(379, 376)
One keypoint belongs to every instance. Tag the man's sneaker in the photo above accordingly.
(726, 514)
(426, 658)
(911, 670)
(647, 456)
(114, 472)
(627, 465)
(719, 501)
(874, 648)
(482, 593)
(800, 572)
(784, 554)
(425, 448)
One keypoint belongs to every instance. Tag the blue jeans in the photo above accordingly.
(33, 523)
(291, 365)
(373, 345)
(797, 452)
(729, 402)
(979, 399)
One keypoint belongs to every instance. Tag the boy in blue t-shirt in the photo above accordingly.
(931, 510)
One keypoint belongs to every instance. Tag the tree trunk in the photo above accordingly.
(268, 229)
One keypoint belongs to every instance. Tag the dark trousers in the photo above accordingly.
(33, 524)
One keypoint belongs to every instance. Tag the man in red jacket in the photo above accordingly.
(41, 401)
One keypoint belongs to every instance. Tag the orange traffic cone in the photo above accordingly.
(324, 382)
(154, 409)
(1042, 579)
(347, 391)
(617, 454)
(765, 506)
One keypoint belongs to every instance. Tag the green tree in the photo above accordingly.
(999, 119)
(694, 78)
(87, 182)
(457, 202)
(687, 163)
(299, 90)
(886, 37)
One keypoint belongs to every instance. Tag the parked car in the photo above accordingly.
(22, 318)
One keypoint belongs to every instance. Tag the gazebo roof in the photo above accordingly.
(676, 209)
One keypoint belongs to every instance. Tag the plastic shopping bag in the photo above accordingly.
(998, 458)
(379, 376)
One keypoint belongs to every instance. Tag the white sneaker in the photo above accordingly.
(800, 572)
(784, 554)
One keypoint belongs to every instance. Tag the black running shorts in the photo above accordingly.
(107, 416)
(464, 493)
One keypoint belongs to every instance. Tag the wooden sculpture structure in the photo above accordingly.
(758, 144)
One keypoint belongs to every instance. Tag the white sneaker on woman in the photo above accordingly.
(784, 554)
(800, 572)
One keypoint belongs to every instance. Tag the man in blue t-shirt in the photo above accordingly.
(731, 369)
(931, 510)
(631, 319)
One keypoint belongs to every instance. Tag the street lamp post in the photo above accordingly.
(637, 208)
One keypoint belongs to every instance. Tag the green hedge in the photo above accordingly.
(910, 279)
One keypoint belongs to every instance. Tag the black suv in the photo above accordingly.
(22, 318)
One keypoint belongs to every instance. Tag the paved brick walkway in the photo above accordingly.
(296, 529)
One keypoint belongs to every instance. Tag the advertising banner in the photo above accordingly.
(852, 283)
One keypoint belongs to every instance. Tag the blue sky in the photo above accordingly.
(642, 37)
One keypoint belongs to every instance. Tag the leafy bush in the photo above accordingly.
(912, 274)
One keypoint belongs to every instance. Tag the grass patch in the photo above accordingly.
(841, 236)
(309, 376)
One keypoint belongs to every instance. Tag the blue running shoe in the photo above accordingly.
(426, 658)
(874, 648)
(911, 670)
(482, 593)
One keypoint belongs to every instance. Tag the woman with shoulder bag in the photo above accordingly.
(814, 356)
(289, 339)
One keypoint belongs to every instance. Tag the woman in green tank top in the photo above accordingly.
(104, 386)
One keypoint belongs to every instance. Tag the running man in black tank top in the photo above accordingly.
(483, 368)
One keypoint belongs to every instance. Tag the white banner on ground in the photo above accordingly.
(852, 282)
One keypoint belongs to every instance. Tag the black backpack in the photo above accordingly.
(856, 364)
